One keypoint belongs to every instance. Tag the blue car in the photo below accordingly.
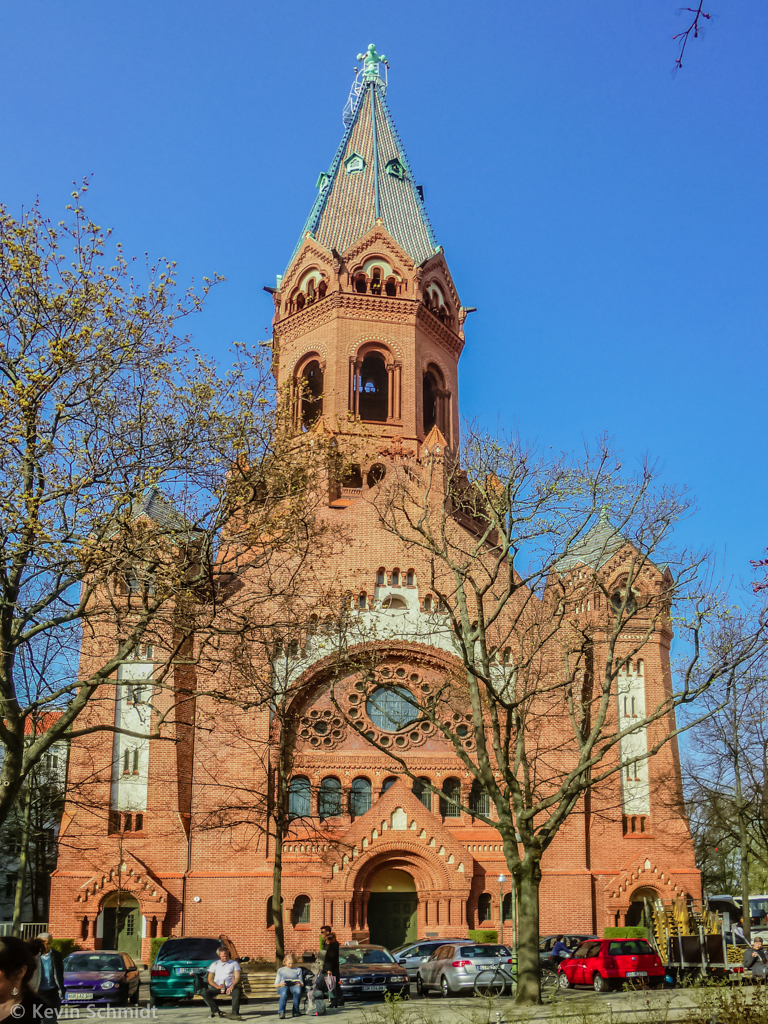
(100, 976)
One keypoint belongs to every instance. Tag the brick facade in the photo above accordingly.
(372, 312)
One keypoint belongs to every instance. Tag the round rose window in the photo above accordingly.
(391, 708)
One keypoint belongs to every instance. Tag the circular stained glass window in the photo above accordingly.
(391, 708)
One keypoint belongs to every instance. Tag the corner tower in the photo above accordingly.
(368, 325)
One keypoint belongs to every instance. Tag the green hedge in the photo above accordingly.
(483, 935)
(155, 944)
(64, 946)
(630, 932)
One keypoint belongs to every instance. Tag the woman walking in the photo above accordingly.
(331, 963)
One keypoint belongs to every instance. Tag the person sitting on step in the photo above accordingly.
(223, 979)
(289, 981)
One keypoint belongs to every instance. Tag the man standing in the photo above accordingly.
(755, 959)
(223, 979)
(51, 986)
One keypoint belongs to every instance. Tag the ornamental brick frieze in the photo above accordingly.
(438, 332)
(311, 252)
(382, 240)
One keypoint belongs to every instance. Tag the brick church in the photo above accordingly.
(368, 329)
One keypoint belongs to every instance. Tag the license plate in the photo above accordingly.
(79, 995)
(186, 970)
(637, 974)
(374, 988)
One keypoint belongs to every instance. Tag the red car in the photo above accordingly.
(604, 963)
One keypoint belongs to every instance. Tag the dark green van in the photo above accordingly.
(179, 962)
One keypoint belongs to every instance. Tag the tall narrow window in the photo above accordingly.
(329, 803)
(311, 397)
(300, 911)
(359, 797)
(429, 398)
(479, 802)
(484, 907)
(450, 802)
(299, 802)
(422, 792)
(374, 389)
(395, 577)
(135, 760)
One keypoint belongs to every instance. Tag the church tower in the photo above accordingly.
(368, 324)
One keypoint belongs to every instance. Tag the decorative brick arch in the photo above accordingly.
(129, 877)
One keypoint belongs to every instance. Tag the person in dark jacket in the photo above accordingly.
(331, 963)
(51, 986)
(755, 959)
(18, 1000)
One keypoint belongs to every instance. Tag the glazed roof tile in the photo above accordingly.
(350, 203)
(596, 548)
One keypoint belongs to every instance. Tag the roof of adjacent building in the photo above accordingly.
(370, 179)
(596, 548)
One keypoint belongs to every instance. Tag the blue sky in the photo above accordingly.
(607, 218)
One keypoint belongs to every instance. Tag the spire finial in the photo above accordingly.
(372, 60)
(604, 513)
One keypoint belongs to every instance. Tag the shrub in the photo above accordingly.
(155, 944)
(630, 932)
(64, 946)
(483, 935)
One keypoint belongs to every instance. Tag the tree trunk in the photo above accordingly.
(277, 901)
(746, 917)
(18, 903)
(527, 883)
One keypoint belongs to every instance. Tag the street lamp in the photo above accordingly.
(502, 883)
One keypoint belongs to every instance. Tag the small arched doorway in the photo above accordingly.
(122, 924)
(392, 908)
(634, 915)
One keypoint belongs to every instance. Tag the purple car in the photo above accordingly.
(100, 976)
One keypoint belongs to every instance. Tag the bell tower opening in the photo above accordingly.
(373, 383)
(311, 394)
(392, 908)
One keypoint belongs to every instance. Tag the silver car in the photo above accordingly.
(452, 968)
(411, 955)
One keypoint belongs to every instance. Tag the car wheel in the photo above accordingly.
(134, 999)
(599, 984)
(420, 986)
(445, 988)
(562, 981)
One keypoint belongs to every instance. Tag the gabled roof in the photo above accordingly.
(370, 180)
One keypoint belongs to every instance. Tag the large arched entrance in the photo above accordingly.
(392, 908)
(634, 915)
(122, 924)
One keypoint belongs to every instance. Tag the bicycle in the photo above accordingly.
(548, 976)
(491, 982)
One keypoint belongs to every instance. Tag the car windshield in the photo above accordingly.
(189, 949)
(475, 951)
(93, 962)
(352, 957)
(630, 947)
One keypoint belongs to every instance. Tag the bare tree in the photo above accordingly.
(126, 459)
(546, 607)
(727, 766)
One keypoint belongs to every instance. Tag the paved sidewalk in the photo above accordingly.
(569, 1007)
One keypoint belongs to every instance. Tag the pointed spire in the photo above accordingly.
(370, 180)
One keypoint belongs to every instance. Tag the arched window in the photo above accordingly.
(451, 798)
(428, 604)
(329, 800)
(362, 602)
(381, 577)
(391, 287)
(376, 474)
(617, 600)
(395, 577)
(422, 792)
(506, 907)
(409, 578)
(479, 802)
(373, 385)
(299, 799)
(300, 910)
(376, 281)
(359, 797)
(387, 784)
(310, 291)
(484, 907)
(429, 400)
(310, 394)
(300, 301)
(321, 290)
(361, 285)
